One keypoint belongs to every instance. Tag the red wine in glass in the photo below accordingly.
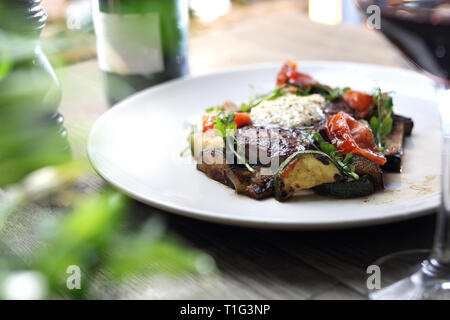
(421, 30)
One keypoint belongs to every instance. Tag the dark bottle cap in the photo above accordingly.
(22, 16)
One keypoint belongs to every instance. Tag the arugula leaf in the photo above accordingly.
(386, 126)
(225, 124)
(225, 127)
(382, 122)
(276, 93)
(343, 164)
(331, 93)
(247, 107)
(328, 93)
(220, 108)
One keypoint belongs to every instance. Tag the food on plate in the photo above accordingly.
(304, 135)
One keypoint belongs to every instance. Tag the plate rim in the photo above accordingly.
(428, 206)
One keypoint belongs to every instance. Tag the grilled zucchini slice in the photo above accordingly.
(304, 170)
(347, 189)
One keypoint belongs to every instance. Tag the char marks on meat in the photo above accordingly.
(264, 144)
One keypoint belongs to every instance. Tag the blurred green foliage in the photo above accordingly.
(94, 237)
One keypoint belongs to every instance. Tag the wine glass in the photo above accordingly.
(421, 30)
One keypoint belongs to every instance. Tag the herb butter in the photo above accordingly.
(289, 111)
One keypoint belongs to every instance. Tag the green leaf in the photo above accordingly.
(225, 127)
(219, 108)
(276, 93)
(386, 126)
(303, 92)
(388, 104)
(328, 148)
(374, 124)
(382, 123)
(348, 157)
(321, 145)
(246, 107)
(6, 64)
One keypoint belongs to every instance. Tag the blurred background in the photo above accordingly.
(70, 21)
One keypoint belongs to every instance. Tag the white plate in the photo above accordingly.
(135, 146)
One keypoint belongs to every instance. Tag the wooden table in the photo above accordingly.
(254, 264)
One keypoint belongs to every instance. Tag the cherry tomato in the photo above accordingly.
(208, 119)
(351, 136)
(359, 101)
(241, 118)
(290, 75)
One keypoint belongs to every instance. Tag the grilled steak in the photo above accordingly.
(264, 144)
(256, 185)
(335, 106)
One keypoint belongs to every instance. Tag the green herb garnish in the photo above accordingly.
(381, 123)
(225, 127)
(192, 130)
(342, 163)
(219, 108)
(276, 93)
(330, 93)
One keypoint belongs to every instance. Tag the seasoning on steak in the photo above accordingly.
(266, 144)
(256, 185)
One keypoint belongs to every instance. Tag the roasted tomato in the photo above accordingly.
(241, 118)
(209, 118)
(351, 136)
(290, 75)
(359, 101)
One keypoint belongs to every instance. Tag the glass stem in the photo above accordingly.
(440, 257)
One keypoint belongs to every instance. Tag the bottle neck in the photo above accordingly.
(22, 17)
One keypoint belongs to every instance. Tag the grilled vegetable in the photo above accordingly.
(203, 140)
(304, 170)
(393, 149)
(347, 189)
(366, 167)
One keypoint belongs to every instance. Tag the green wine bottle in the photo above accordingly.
(140, 43)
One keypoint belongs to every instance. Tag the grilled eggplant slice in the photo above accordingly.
(394, 143)
(394, 148)
(347, 189)
(304, 170)
(366, 167)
